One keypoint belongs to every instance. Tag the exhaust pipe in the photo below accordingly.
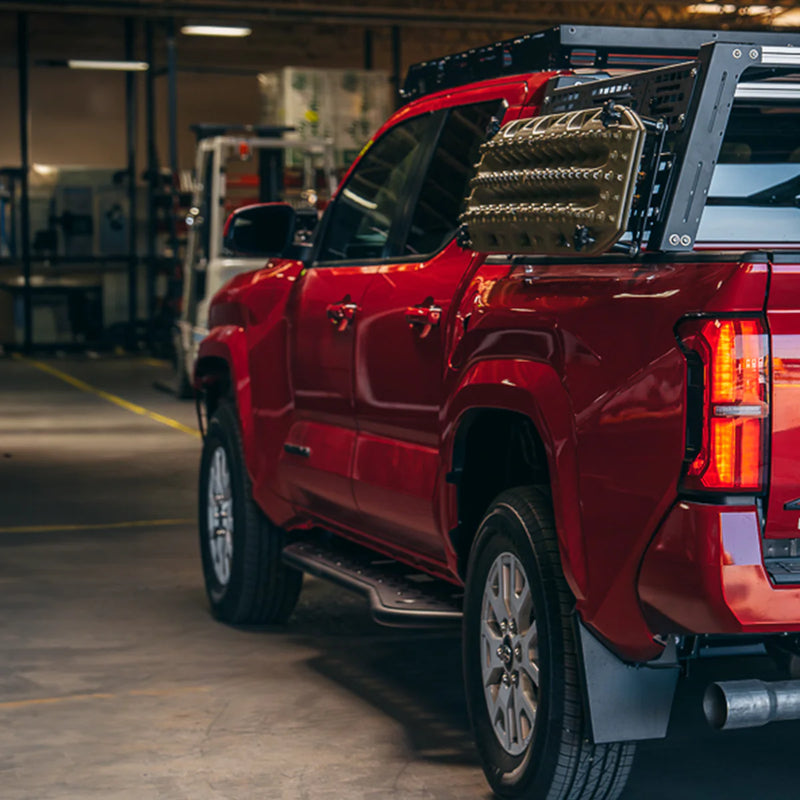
(748, 704)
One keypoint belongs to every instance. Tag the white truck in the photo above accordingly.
(235, 168)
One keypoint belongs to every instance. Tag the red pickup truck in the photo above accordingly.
(538, 374)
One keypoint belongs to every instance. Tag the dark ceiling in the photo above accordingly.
(495, 14)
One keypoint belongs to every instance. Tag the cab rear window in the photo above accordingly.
(754, 195)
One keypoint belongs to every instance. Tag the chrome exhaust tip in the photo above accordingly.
(730, 705)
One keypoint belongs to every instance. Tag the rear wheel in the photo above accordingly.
(246, 581)
(521, 667)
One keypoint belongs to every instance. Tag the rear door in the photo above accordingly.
(401, 344)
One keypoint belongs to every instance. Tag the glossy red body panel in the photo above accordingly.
(534, 389)
(703, 574)
(399, 390)
(321, 368)
(395, 483)
(625, 395)
(783, 315)
(586, 351)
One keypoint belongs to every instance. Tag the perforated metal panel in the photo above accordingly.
(556, 184)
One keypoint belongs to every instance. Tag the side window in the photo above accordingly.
(362, 214)
(445, 188)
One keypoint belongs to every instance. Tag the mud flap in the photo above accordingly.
(626, 702)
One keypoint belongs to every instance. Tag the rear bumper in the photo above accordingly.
(703, 573)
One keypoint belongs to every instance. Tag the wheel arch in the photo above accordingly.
(222, 372)
(518, 413)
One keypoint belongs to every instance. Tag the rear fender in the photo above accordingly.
(229, 343)
(534, 390)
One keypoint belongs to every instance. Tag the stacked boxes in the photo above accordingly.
(345, 105)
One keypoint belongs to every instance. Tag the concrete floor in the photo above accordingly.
(116, 683)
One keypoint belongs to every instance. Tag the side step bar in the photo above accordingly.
(398, 595)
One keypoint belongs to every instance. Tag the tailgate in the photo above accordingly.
(783, 315)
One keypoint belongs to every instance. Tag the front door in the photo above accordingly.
(357, 236)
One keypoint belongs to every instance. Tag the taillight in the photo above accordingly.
(729, 431)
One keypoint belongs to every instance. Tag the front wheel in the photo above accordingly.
(520, 663)
(246, 582)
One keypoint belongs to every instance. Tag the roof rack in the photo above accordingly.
(574, 47)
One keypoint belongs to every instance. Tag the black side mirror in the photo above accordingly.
(265, 230)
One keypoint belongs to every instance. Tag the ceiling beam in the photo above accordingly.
(536, 15)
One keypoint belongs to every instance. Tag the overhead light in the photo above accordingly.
(712, 8)
(788, 19)
(45, 170)
(121, 66)
(198, 29)
(755, 11)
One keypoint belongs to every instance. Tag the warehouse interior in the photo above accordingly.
(115, 681)
(100, 266)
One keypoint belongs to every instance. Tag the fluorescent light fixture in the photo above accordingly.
(45, 170)
(195, 29)
(755, 11)
(712, 8)
(788, 19)
(120, 66)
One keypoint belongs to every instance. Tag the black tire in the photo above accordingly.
(250, 584)
(550, 756)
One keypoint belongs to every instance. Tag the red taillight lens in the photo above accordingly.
(735, 399)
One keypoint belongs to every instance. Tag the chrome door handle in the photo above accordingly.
(425, 317)
(342, 314)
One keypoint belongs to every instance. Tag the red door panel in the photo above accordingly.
(317, 458)
(400, 361)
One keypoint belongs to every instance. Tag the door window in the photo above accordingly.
(367, 205)
(446, 185)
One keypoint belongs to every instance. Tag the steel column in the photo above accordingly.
(368, 58)
(24, 143)
(172, 97)
(130, 119)
(152, 171)
(172, 129)
(397, 78)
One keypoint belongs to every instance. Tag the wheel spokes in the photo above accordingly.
(519, 595)
(529, 649)
(509, 653)
(220, 516)
(493, 666)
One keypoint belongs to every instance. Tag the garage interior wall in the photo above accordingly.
(78, 117)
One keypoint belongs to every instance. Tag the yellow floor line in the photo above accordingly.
(46, 701)
(154, 362)
(111, 398)
(141, 523)
(49, 701)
